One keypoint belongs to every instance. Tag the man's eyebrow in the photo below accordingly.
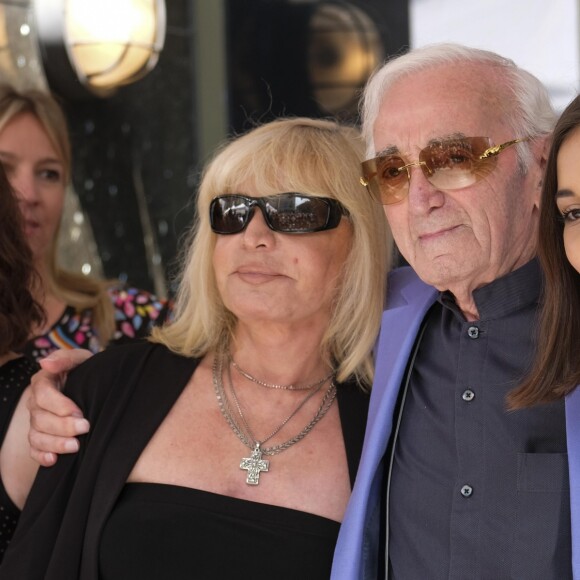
(391, 150)
(394, 150)
(446, 138)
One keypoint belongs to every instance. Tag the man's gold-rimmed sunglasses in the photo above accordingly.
(448, 165)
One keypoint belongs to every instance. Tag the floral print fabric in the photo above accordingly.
(136, 311)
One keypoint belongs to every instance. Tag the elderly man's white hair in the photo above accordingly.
(532, 113)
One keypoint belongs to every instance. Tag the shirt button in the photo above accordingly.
(466, 491)
(468, 395)
(473, 332)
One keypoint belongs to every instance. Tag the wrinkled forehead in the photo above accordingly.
(439, 104)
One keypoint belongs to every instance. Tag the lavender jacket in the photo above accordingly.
(356, 554)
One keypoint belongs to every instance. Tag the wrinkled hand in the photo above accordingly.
(55, 420)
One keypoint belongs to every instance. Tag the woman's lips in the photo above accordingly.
(31, 226)
(257, 276)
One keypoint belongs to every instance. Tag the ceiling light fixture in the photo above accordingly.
(95, 46)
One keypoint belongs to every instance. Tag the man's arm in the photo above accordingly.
(55, 421)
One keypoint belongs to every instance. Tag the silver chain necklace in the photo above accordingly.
(290, 387)
(247, 429)
(254, 464)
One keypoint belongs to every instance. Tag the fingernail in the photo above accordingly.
(49, 356)
(71, 445)
(49, 458)
(81, 426)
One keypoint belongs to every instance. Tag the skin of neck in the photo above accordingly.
(279, 354)
(51, 304)
(466, 303)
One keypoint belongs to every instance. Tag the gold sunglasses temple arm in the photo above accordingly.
(497, 149)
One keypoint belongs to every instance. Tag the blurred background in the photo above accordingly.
(152, 87)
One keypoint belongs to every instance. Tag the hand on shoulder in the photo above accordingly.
(55, 420)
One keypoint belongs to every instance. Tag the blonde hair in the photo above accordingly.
(77, 290)
(316, 157)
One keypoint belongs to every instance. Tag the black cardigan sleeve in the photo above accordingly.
(50, 540)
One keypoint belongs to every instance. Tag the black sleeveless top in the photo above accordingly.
(159, 531)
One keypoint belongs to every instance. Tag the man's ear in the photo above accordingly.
(540, 150)
(544, 144)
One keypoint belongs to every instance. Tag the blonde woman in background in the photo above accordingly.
(81, 312)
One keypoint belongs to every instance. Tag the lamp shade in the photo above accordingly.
(343, 50)
(299, 57)
(107, 43)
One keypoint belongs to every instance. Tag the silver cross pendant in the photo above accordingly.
(254, 465)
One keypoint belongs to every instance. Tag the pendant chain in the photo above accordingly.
(277, 429)
(247, 438)
(290, 387)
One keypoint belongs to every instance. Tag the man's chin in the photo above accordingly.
(442, 272)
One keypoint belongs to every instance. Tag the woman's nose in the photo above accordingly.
(24, 187)
(257, 231)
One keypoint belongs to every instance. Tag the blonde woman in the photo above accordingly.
(81, 312)
(228, 445)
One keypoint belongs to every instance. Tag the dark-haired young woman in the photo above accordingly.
(556, 371)
(18, 313)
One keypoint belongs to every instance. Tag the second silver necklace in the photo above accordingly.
(254, 464)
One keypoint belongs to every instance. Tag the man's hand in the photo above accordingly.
(55, 420)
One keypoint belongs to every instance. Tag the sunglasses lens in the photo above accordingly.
(293, 213)
(229, 214)
(447, 165)
(456, 164)
(386, 179)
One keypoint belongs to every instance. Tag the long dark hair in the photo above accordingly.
(19, 312)
(556, 370)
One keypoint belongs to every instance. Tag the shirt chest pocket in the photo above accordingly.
(542, 542)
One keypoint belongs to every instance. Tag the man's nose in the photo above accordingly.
(423, 195)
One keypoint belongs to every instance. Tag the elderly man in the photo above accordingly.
(452, 484)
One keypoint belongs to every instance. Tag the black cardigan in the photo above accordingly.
(126, 392)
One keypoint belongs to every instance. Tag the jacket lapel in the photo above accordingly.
(409, 299)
